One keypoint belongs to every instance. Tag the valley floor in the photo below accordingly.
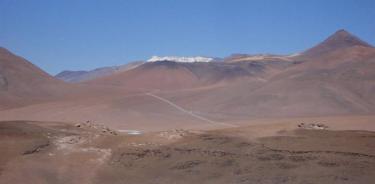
(274, 152)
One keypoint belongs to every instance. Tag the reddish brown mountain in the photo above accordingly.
(339, 40)
(169, 75)
(338, 77)
(22, 83)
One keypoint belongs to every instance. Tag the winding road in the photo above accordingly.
(189, 112)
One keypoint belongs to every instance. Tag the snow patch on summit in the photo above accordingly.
(180, 59)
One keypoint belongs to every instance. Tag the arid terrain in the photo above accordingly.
(45, 152)
(307, 118)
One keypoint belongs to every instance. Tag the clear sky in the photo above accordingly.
(84, 34)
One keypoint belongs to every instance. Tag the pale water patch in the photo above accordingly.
(130, 132)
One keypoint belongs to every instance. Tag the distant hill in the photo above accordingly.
(82, 76)
(170, 75)
(259, 57)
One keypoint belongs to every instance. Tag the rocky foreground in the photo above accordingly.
(44, 152)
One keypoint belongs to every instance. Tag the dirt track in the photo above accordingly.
(190, 112)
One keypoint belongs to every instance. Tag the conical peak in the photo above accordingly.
(342, 32)
(340, 39)
(343, 38)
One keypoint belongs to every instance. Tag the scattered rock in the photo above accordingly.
(174, 134)
(101, 128)
(36, 149)
(187, 164)
(314, 126)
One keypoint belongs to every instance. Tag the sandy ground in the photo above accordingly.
(276, 152)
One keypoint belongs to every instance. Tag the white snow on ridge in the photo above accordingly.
(294, 55)
(180, 59)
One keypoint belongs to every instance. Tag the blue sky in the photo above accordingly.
(85, 34)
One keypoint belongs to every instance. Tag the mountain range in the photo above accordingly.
(81, 76)
(335, 77)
